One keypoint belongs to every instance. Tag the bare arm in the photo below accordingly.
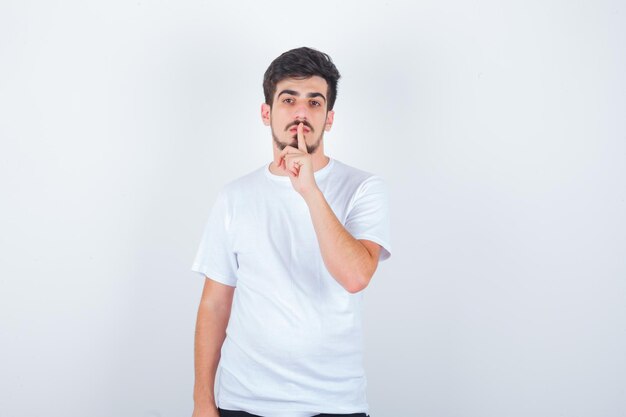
(213, 315)
(350, 261)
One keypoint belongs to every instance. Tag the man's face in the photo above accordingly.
(295, 101)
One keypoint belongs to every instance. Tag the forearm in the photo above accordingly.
(347, 260)
(210, 334)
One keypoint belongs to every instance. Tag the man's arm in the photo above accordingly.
(213, 315)
(350, 261)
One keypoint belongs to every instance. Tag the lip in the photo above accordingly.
(295, 129)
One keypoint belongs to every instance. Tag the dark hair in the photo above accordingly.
(301, 63)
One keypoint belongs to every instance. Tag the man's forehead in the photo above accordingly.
(310, 84)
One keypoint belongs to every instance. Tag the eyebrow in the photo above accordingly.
(295, 93)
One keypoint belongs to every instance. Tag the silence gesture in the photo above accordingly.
(297, 163)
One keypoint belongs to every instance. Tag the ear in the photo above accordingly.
(265, 114)
(329, 120)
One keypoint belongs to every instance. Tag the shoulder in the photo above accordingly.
(345, 170)
(243, 184)
(357, 179)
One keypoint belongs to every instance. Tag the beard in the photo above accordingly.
(311, 148)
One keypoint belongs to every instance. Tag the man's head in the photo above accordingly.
(300, 86)
(301, 63)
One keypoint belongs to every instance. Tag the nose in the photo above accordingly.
(300, 112)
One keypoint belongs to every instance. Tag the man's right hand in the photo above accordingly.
(205, 412)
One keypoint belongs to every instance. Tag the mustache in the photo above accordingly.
(296, 123)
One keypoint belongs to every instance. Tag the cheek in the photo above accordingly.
(322, 122)
(279, 116)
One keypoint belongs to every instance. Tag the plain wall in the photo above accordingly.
(499, 127)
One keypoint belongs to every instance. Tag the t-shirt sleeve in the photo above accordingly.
(368, 215)
(215, 258)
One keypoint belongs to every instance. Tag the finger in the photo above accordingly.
(292, 163)
(301, 142)
(278, 160)
(288, 164)
(281, 156)
(288, 150)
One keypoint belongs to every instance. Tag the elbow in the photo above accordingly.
(354, 289)
(358, 283)
(355, 277)
(360, 278)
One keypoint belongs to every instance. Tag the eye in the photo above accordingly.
(288, 100)
(315, 103)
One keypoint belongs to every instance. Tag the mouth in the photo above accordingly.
(295, 129)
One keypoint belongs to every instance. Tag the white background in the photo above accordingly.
(499, 127)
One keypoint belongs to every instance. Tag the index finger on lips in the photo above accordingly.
(301, 142)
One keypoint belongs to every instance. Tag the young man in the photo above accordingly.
(286, 252)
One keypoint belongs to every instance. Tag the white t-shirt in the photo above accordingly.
(294, 339)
